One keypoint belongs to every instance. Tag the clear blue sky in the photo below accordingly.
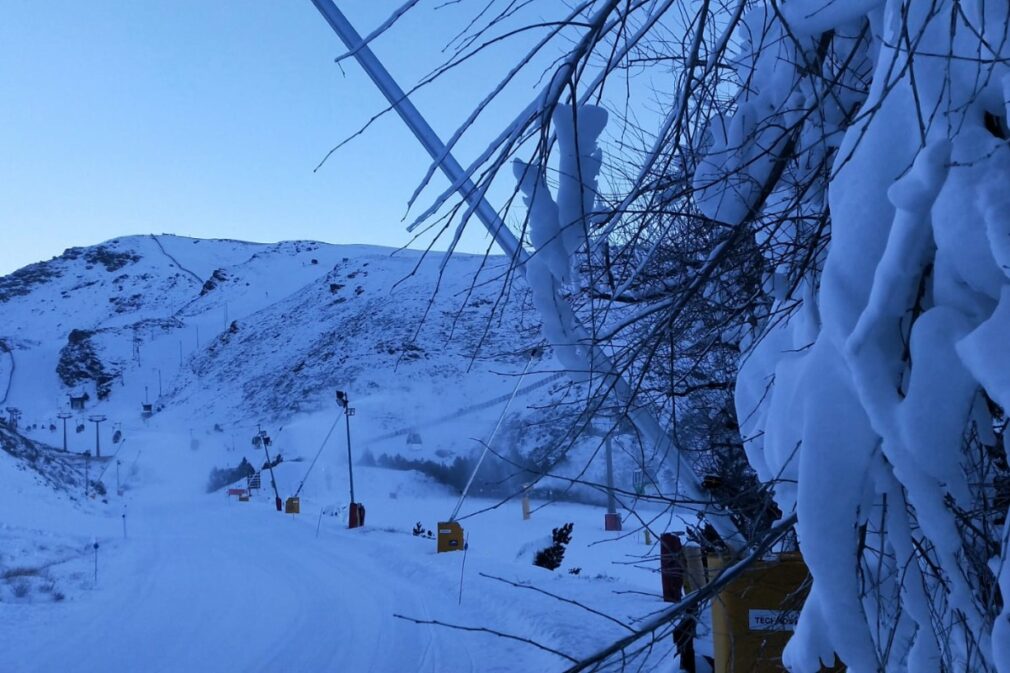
(207, 117)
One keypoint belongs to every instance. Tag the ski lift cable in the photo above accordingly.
(112, 459)
(487, 445)
(318, 453)
(480, 406)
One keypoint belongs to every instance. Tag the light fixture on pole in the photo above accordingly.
(263, 439)
(356, 515)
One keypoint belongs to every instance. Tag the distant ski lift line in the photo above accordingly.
(643, 419)
(490, 440)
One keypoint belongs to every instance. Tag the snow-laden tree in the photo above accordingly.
(850, 160)
(879, 397)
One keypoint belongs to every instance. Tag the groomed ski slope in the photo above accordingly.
(205, 583)
(235, 589)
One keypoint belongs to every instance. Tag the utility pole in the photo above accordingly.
(159, 383)
(97, 419)
(356, 516)
(63, 416)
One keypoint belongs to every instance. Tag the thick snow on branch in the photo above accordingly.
(559, 228)
(866, 402)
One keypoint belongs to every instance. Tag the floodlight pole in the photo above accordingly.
(644, 420)
(265, 443)
(350, 464)
(345, 402)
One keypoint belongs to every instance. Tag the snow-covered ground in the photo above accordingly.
(203, 582)
(239, 336)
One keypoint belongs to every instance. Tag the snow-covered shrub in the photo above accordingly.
(553, 556)
(421, 531)
(873, 403)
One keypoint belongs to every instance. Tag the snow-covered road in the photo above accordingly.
(229, 588)
(204, 583)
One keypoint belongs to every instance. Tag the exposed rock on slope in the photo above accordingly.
(51, 466)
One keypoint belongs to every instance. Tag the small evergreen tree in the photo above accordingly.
(551, 557)
(221, 477)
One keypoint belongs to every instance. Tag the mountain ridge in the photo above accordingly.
(244, 332)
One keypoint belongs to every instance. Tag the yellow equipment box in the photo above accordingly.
(292, 506)
(450, 536)
(755, 615)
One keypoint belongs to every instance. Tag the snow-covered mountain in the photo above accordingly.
(221, 336)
